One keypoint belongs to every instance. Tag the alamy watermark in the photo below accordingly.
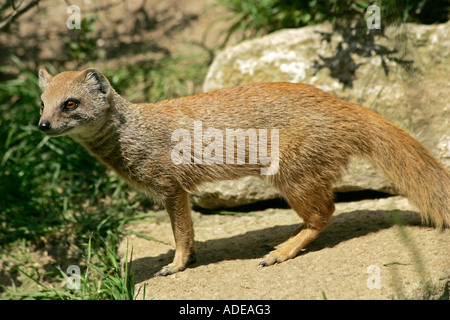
(74, 20)
(74, 278)
(373, 21)
(191, 150)
(374, 279)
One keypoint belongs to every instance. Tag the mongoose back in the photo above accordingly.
(295, 136)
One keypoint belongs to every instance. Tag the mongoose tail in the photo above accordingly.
(412, 169)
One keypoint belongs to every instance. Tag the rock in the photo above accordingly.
(404, 80)
(233, 193)
(361, 240)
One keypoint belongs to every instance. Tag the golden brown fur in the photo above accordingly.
(318, 134)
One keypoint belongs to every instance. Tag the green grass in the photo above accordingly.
(95, 283)
(255, 18)
(60, 206)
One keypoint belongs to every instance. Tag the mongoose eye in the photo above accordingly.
(70, 104)
(42, 106)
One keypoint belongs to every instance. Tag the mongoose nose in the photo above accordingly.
(44, 125)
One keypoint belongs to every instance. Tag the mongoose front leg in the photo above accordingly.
(179, 211)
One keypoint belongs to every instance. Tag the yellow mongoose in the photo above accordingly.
(313, 136)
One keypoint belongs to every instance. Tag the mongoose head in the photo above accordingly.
(73, 102)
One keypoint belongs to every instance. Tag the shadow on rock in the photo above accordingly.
(256, 244)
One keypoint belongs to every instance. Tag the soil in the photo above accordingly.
(136, 31)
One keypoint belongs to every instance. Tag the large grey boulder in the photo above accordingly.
(403, 76)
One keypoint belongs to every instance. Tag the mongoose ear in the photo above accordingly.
(44, 78)
(95, 80)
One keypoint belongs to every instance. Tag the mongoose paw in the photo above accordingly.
(174, 267)
(169, 269)
(272, 258)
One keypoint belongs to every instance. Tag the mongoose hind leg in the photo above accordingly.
(315, 215)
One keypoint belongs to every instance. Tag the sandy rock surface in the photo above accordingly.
(362, 254)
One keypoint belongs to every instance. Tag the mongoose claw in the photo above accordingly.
(268, 261)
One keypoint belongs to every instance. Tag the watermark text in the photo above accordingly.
(250, 146)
